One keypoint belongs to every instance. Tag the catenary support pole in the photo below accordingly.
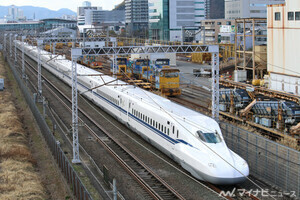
(75, 55)
(215, 86)
(10, 45)
(115, 192)
(5, 35)
(23, 56)
(40, 89)
(15, 44)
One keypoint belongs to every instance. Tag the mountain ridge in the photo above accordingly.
(39, 12)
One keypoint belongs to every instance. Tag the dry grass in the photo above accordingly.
(290, 142)
(18, 178)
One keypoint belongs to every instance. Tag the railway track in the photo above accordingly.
(155, 186)
(135, 167)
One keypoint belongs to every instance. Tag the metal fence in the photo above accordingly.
(71, 176)
(273, 163)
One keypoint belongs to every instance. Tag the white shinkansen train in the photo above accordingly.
(193, 140)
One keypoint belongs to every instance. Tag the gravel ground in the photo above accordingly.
(158, 162)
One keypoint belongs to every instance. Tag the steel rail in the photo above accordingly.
(139, 179)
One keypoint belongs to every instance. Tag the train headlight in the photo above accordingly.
(212, 165)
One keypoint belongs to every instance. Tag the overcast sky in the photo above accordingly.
(58, 4)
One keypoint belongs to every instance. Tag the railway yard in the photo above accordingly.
(112, 152)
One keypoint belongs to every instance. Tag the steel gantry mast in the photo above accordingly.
(23, 57)
(10, 45)
(4, 50)
(15, 44)
(75, 55)
(40, 89)
(215, 86)
(126, 50)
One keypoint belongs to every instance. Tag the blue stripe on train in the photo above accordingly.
(156, 131)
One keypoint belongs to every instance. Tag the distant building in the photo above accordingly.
(248, 8)
(167, 18)
(136, 17)
(215, 9)
(23, 26)
(86, 5)
(98, 17)
(60, 31)
(212, 27)
(53, 23)
(14, 14)
(185, 15)
(69, 17)
(159, 20)
(284, 46)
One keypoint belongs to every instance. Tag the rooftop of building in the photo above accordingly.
(60, 20)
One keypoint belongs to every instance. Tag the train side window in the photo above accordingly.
(177, 133)
(168, 131)
(158, 126)
(165, 130)
(173, 129)
(151, 121)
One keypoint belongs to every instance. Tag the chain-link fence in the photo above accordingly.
(274, 163)
(72, 177)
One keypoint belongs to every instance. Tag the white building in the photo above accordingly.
(187, 15)
(284, 46)
(81, 12)
(14, 14)
(86, 4)
(248, 8)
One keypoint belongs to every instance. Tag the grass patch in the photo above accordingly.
(86, 181)
(18, 178)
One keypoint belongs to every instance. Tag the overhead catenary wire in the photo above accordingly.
(200, 140)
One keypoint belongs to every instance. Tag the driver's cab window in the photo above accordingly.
(211, 137)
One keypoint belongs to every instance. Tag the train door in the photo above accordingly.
(129, 110)
(122, 105)
(172, 134)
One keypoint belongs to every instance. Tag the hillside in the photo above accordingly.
(39, 12)
(120, 6)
